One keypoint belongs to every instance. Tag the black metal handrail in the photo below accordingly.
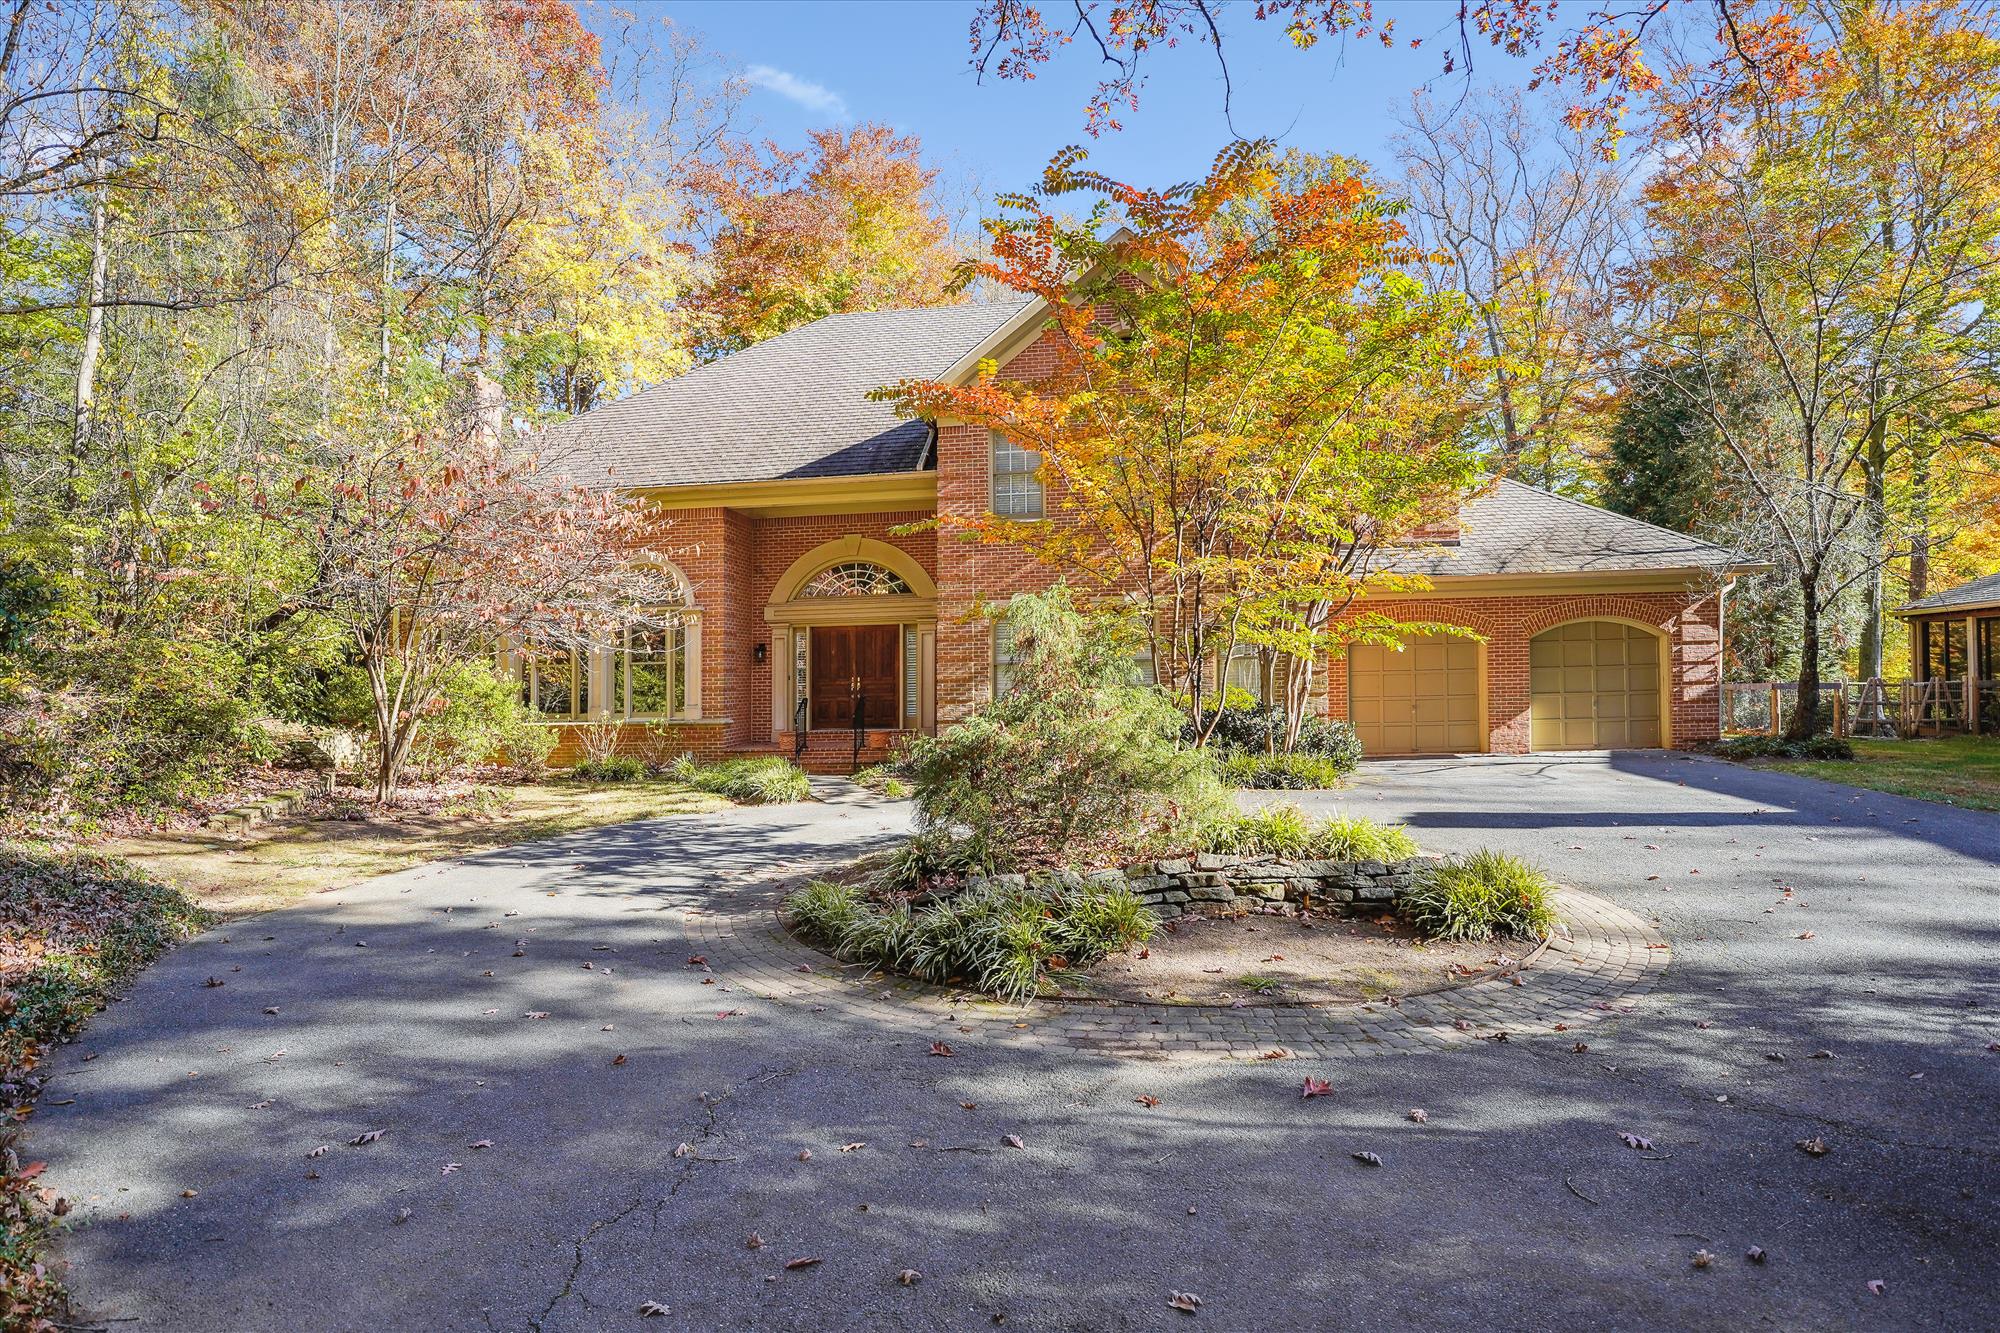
(799, 729)
(860, 725)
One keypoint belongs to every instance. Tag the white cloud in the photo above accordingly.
(812, 96)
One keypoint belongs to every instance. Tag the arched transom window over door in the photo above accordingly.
(855, 578)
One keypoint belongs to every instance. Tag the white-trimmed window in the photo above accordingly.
(1006, 657)
(1250, 672)
(649, 671)
(555, 682)
(1017, 492)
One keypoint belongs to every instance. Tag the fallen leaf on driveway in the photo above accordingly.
(1185, 1301)
(482, 1143)
(1701, 1259)
(1755, 1254)
(940, 1048)
(1807, 935)
(852, 1147)
(1147, 1101)
(753, 1241)
(365, 1136)
(1420, 1115)
(536, 1013)
(1013, 1141)
(1636, 1142)
(450, 1167)
(1366, 1158)
(318, 1152)
(1315, 1087)
(617, 1059)
(970, 1106)
(1876, 1284)
(1813, 1147)
(909, 1277)
(806, 1262)
(189, 1194)
(650, 1309)
(805, 1154)
(1277, 1053)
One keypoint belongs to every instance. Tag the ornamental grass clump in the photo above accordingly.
(766, 781)
(1280, 772)
(1476, 897)
(1000, 939)
(1285, 831)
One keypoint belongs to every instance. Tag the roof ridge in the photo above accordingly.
(1600, 509)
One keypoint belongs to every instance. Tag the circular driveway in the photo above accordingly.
(525, 1177)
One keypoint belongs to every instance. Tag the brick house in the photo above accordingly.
(792, 504)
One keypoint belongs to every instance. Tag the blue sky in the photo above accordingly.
(906, 64)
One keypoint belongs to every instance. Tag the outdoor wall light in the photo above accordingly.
(757, 653)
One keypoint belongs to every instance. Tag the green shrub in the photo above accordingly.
(1259, 729)
(1478, 896)
(1284, 830)
(141, 723)
(1075, 761)
(767, 780)
(479, 720)
(1279, 772)
(927, 857)
(616, 768)
(1778, 747)
(1000, 940)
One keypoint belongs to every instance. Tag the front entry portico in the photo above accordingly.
(853, 617)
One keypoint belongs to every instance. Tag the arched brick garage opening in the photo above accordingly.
(1598, 684)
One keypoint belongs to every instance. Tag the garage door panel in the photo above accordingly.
(1594, 685)
(1423, 700)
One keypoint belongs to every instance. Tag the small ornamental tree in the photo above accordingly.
(1251, 400)
(438, 545)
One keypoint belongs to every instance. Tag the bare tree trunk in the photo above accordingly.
(93, 346)
(1807, 709)
(1874, 473)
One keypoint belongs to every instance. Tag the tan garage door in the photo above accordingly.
(1594, 685)
(1422, 700)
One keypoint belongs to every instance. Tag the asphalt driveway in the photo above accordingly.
(485, 1002)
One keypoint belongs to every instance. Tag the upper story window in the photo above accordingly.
(1017, 493)
(857, 578)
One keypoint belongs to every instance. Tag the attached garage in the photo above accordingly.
(1596, 685)
(1422, 700)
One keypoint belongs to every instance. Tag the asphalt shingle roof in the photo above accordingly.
(792, 406)
(1979, 592)
(1516, 529)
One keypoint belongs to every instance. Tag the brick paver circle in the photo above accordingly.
(1598, 967)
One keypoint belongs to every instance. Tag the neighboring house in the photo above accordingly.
(794, 504)
(1955, 642)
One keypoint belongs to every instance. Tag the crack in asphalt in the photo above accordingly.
(689, 1163)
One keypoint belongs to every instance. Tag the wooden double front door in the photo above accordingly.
(850, 661)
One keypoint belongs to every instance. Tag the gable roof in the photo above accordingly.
(1517, 529)
(1978, 593)
(791, 406)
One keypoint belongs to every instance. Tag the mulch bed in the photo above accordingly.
(1261, 958)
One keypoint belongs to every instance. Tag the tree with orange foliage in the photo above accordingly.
(1251, 401)
(851, 223)
(1828, 222)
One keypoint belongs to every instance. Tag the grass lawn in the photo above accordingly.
(287, 859)
(1958, 770)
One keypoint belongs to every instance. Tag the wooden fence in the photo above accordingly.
(1866, 708)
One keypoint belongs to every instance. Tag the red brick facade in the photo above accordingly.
(735, 561)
